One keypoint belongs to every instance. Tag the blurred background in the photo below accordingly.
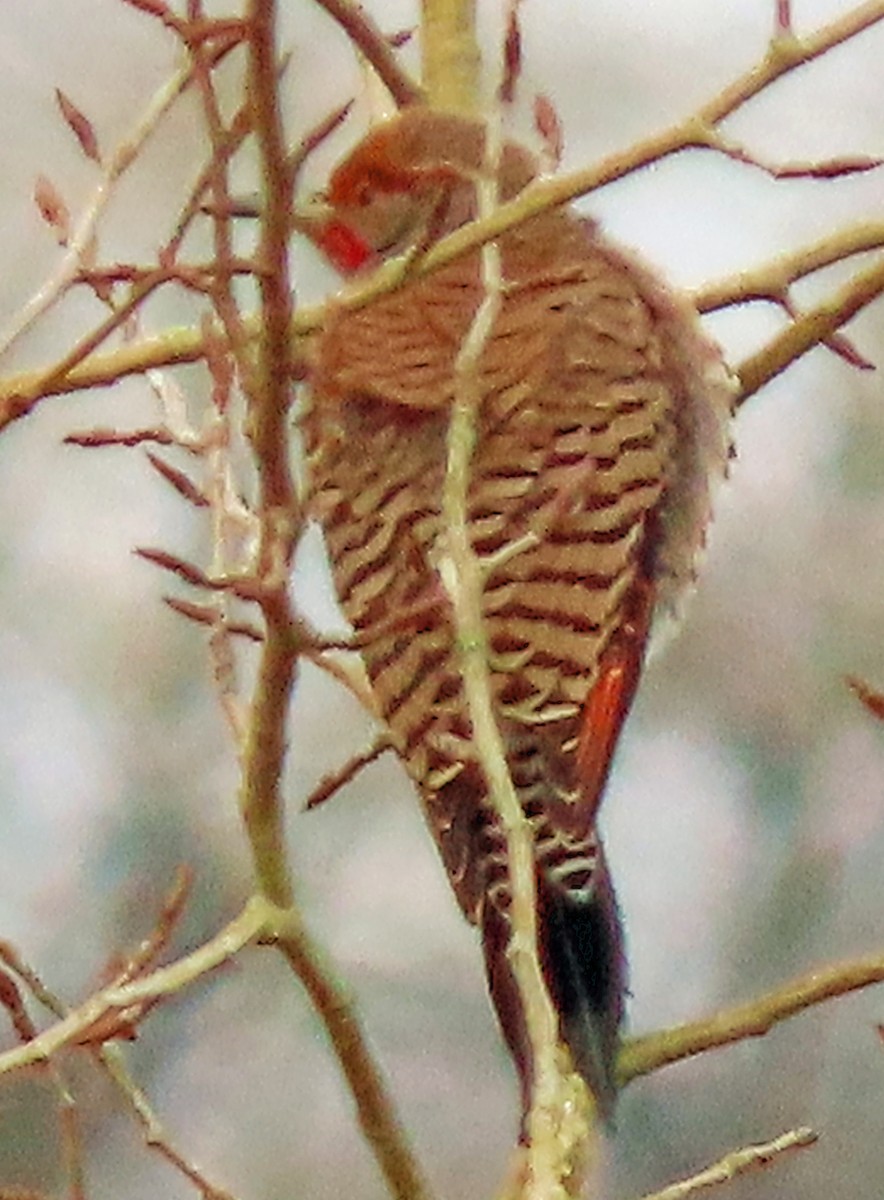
(745, 817)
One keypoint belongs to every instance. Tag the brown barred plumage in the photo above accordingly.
(603, 418)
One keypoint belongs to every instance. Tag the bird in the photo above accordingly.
(601, 430)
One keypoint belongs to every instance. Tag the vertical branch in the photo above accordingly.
(223, 299)
(560, 1140)
(552, 1150)
(269, 394)
(378, 1119)
(264, 749)
(452, 60)
(274, 376)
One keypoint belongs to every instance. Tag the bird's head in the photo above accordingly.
(412, 177)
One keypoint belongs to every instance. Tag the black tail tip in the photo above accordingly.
(585, 965)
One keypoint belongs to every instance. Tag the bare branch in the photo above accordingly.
(216, 180)
(181, 567)
(377, 1114)
(554, 1142)
(112, 1059)
(155, 1136)
(158, 940)
(179, 480)
(265, 740)
(84, 232)
(772, 279)
(832, 168)
(314, 138)
(202, 614)
(450, 57)
(20, 393)
(365, 35)
(256, 919)
(738, 1162)
(642, 1055)
(809, 330)
(269, 396)
(90, 438)
(332, 783)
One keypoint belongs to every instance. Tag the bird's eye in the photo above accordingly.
(363, 193)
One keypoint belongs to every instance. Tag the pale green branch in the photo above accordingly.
(736, 1163)
(256, 919)
(642, 1055)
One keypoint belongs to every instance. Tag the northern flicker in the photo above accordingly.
(602, 424)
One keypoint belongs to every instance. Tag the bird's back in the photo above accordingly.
(591, 414)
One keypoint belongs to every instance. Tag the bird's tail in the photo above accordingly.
(580, 945)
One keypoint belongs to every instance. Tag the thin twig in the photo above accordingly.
(738, 1162)
(332, 783)
(155, 1136)
(203, 614)
(115, 167)
(223, 300)
(113, 1060)
(12, 1000)
(256, 919)
(642, 1055)
(363, 33)
(164, 926)
(771, 280)
(238, 129)
(810, 329)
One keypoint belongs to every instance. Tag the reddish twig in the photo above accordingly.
(332, 783)
(870, 698)
(201, 614)
(179, 480)
(90, 438)
(365, 35)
